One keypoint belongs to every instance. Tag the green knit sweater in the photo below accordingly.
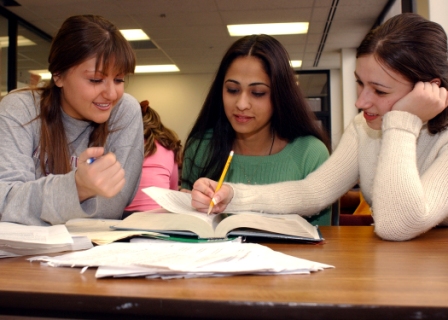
(299, 158)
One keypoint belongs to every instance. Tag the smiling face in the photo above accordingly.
(247, 97)
(378, 88)
(90, 95)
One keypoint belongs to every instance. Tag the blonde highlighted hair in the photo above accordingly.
(154, 130)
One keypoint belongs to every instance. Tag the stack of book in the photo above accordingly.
(21, 240)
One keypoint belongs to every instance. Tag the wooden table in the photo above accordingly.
(373, 279)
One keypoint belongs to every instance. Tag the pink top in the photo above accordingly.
(158, 170)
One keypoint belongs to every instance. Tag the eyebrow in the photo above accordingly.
(102, 72)
(374, 83)
(250, 85)
(94, 71)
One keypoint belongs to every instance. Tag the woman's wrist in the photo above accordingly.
(231, 193)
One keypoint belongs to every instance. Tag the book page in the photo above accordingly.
(171, 200)
(293, 225)
(199, 223)
(178, 201)
(99, 230)
(80, 226)
(33, 236)
(79, 243)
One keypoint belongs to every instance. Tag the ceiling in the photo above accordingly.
(192, 33)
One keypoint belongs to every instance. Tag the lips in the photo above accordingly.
(242, 119)
(370, 116)
(103, 106)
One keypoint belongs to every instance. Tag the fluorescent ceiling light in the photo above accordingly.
(44, 74)
(21, 41)
(134, 34)
(157, 68)
(296, 63)
(268, 28)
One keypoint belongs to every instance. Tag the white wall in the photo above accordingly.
(177, 98)
(336, 107)
(438, 11)
(349, 95)
(393, 11)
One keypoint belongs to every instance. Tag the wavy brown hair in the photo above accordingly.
(80, 38)
(154, 130)
(414, 47)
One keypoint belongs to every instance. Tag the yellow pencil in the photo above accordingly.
(221, 180)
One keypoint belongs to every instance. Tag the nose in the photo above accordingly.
(110, 91)
(243, 102)
(364, 100)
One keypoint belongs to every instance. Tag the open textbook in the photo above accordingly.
(177, 217)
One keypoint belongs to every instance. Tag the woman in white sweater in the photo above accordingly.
(397, 146)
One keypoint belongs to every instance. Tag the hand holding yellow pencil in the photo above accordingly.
(221, 180)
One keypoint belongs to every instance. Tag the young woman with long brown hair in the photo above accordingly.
(255, 107)
(74, 147)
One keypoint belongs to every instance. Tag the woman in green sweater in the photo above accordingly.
(255, 108)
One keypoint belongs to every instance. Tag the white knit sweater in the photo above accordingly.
(403, 174)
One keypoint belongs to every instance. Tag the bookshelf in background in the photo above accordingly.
(315, 86)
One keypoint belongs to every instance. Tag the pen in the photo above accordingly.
(221, 180)
(90, 160)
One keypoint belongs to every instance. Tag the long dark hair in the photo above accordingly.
(154, 130)
(414, 47)
(291, 117)
(79, 38)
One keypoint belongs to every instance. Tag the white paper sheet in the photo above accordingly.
(160, 260)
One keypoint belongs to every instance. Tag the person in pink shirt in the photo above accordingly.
(163, 154)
